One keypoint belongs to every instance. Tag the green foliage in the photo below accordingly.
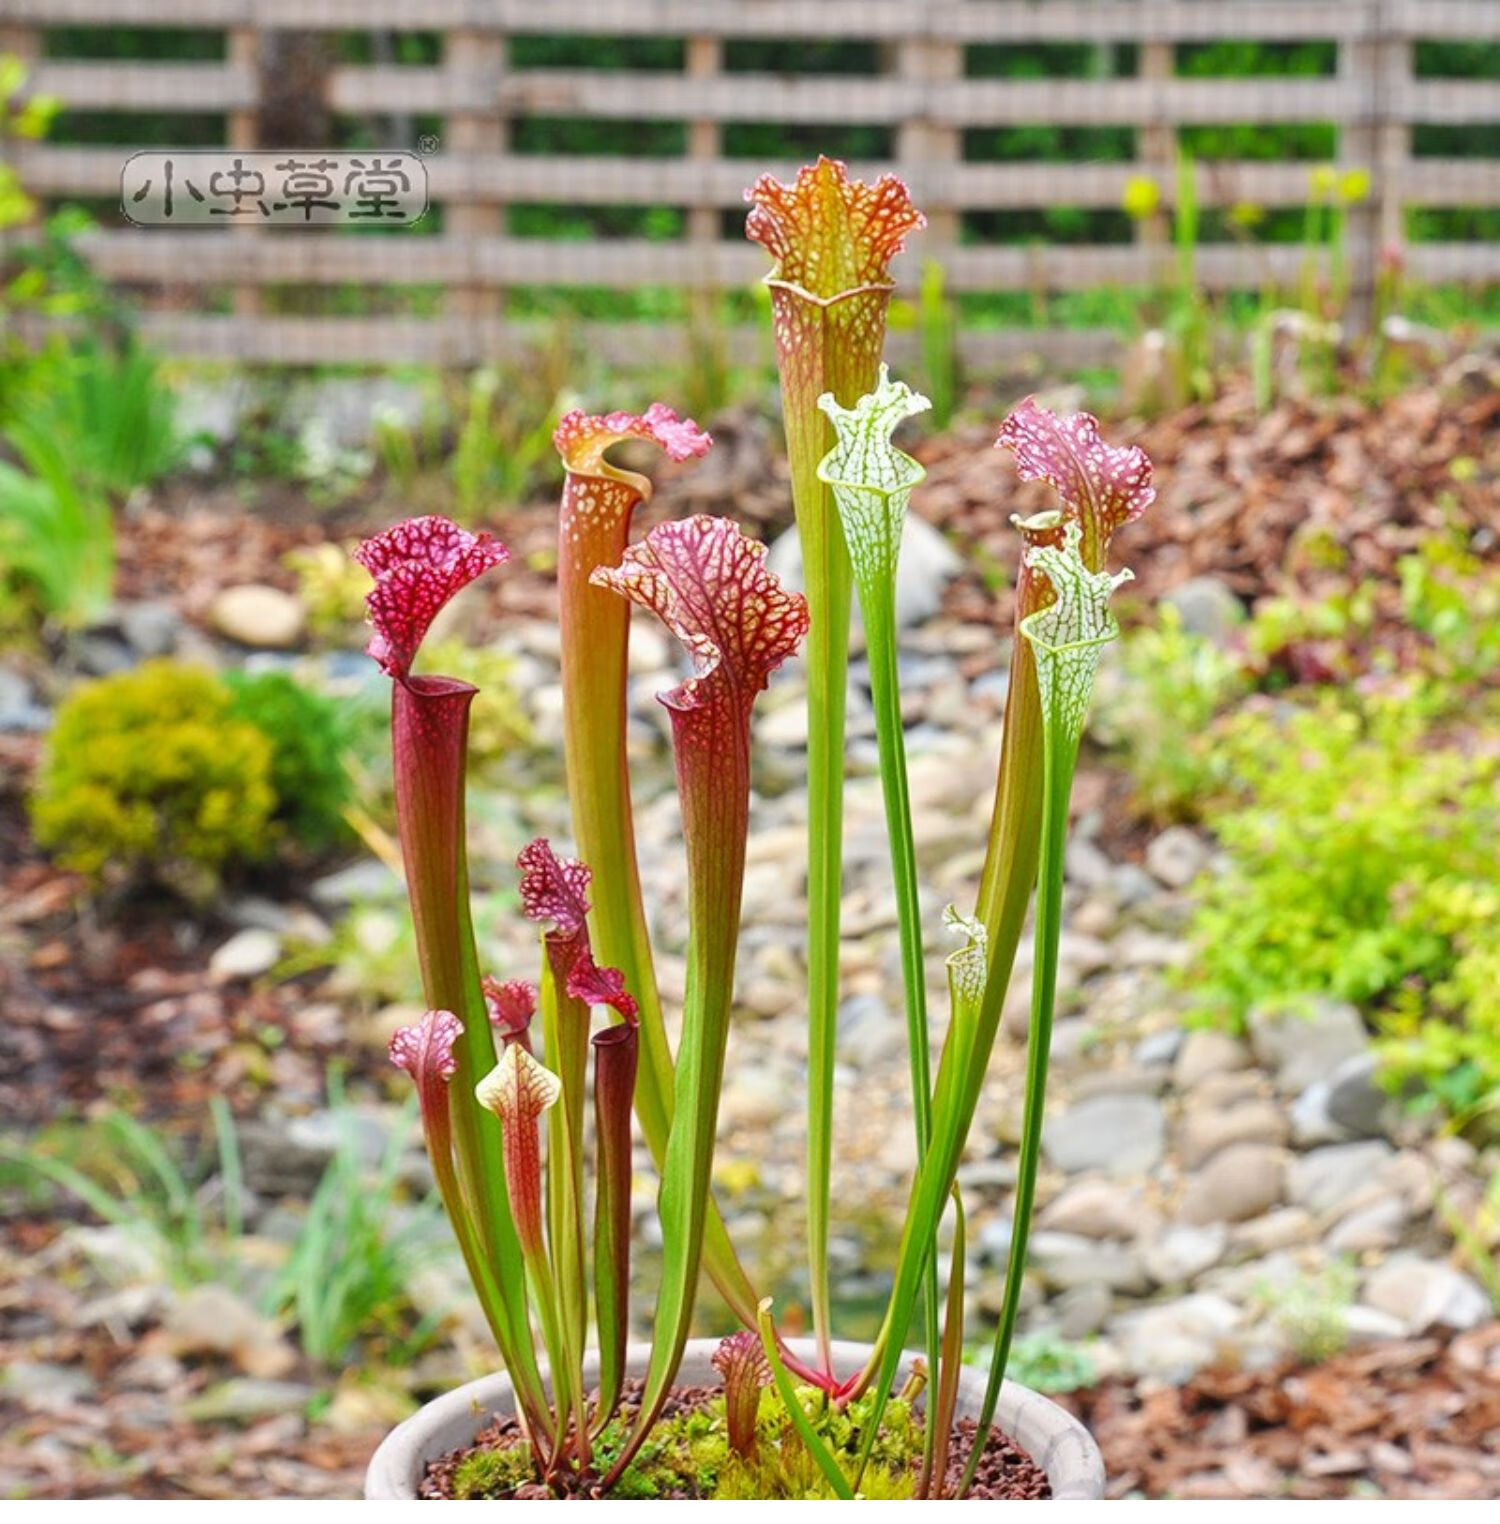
(128, 1177)
(498, 725)
(1046, 1362)
(57, 538)
(1311, 1311)
(151, 771)
(1158, 707)
(332, 586)
(348, 1275)
(504, 450)
(108, 410)
(351, 1269)
(306, 732)
(1363, 868)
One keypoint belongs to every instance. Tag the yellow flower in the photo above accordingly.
(1354, 186)
(1142, 198)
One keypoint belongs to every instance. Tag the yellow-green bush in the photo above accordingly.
(148, 771)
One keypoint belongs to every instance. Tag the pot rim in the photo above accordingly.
(1053, 1437)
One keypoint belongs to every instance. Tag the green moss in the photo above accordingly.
(690, 1453)
(492, 1473)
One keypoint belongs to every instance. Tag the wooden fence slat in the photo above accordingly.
(948, 20)
(293, 258)
(54, 169)
(172, 88)
(454, 341)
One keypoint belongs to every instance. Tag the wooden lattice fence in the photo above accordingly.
(211, 292)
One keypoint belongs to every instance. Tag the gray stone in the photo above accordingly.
(1084, 864)
(1176, 857)
(246, 1398)
(1207, 607)
(98, 653)
(1304, 1044)
(1312, 1125)
(259, 616)
(1120, 1134)
(287, 1157)
(1326, 1177)
(151, 627)
(367, 880)
(1066, 1260)
(1205, 1130)
(246, 955)
(1284, 1228)
(1206, 1052)
(1159, 1049)
(1083, 1310)
(928, 564)
(1356, 1101)
(1377, 1225)
(1173, 1340)
(1425, 1294)
(19, 710)
(1131, 885)
(213, 1320)
(1368, 1325)
(43, 1388)
(1183, 1252)
(1239, 1182)
(1092, 1209)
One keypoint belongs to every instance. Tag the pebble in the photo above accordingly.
(1066, 1260)
(18, 708)
(1326, 1177)
(1204, 1130)
(1093, 1209)
(244, 1398)
(1425, 1294)
(1239, 1182)
(213, 1320)
(1173, 1340)
(1180, 1254)
(1303, 1045)
(246, 955)
(367, 880)
(1377, 1225)
(259, 616)
(1204, 1052)
(1120, 1134)
(1176, 857)
(1207, 607)
(1356, 1101)
(152, 627)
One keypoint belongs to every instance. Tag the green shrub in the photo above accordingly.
(306, 732)
(149, 771)
(1158, 707)
(1363, 867)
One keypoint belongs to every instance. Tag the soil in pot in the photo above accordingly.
(688, 1458)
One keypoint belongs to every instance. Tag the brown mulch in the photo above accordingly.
(1416, 1418)
(1313, 494)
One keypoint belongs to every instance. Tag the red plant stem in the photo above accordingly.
(616, 1054)
(429, 729)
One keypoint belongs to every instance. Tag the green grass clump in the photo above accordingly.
(150, 771)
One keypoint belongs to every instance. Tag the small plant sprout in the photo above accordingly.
(539, 1202)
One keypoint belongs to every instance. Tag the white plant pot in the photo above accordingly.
(1054, 1439)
